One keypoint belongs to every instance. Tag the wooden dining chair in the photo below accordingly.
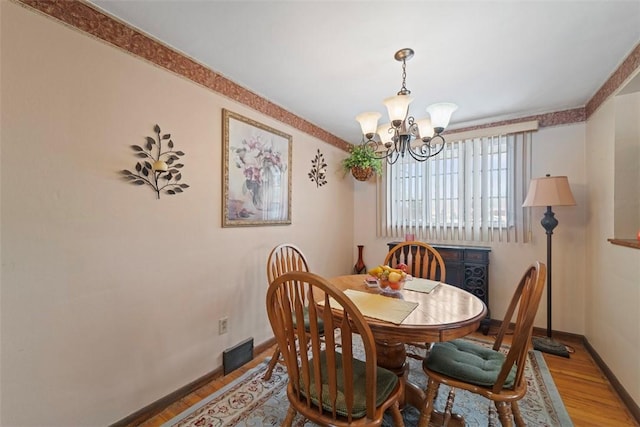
(487, 371)
(282, 259)
(330, 384)
(423, 261)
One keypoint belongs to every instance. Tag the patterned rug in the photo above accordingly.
(251, 401)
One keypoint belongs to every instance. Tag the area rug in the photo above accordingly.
(251, 401)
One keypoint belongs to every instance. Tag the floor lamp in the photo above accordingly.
(549, 191)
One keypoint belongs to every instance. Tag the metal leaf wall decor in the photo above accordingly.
(157, 168)
(318, 172)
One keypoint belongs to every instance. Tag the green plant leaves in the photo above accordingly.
(362, 156)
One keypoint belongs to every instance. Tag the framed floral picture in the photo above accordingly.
(257, 173)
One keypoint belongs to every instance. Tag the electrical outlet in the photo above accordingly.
(223, 325)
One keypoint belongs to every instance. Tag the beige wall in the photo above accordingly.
(612, 291)
(111, 298)
(627, 160)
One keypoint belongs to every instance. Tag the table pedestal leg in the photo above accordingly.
(393, 356)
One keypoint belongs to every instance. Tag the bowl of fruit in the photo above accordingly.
(390, 278)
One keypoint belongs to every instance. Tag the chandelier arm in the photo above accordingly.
(411, 121)
(391, 153)
(427, 149)
(392, 157)
(380, 151)
(422, 155)
(383, 154)
(442, 143)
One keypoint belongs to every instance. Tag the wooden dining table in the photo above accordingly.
(443, 314)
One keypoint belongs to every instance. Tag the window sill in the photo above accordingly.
(629, 243)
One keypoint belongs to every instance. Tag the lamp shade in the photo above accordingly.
(549, 191)
(397, 107)
(441, 114)
(368, 122)
(425, 128)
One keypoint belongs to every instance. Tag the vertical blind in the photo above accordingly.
(472, 191)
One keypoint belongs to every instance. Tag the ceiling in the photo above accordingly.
(327, 61)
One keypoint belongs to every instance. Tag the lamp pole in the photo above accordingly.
(549, 222)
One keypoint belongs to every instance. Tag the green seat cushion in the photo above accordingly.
(386, 382)
(468, 362)
(307, 325)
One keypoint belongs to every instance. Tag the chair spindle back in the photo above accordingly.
(423, 260)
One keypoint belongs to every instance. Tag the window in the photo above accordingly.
(473, 190)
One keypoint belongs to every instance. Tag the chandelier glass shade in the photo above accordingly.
(420, 139)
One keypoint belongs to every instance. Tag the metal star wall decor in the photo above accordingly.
(158, 169)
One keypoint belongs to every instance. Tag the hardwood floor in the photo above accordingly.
(587, 394)
(585, 391)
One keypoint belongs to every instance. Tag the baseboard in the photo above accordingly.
(617, 386)
(159, 405)
(558, 335)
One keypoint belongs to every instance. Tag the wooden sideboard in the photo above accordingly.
(467, 268)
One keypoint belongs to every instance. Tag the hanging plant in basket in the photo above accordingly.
(361, 163)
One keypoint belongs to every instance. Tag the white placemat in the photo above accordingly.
(421, 285)
(380, 307)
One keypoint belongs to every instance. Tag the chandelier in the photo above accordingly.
(421, 139)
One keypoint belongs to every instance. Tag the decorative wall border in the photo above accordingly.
(619, 76)
(85, 17)
(549, 119)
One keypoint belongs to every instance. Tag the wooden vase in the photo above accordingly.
(360, 268)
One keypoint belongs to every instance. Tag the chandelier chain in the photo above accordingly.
(404, 78)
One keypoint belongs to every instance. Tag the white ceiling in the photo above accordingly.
(327, 61)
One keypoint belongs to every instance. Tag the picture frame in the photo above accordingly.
(256, 173)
